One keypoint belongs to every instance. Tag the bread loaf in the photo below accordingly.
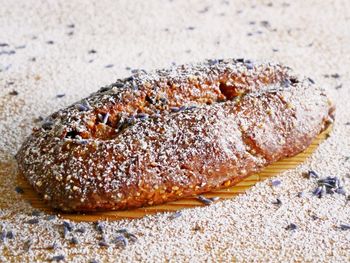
(160, 136)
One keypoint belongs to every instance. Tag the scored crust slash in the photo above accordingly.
(172, 133)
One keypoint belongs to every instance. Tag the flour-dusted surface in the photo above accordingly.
(74, 48)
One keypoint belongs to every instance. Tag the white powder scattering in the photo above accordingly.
(74, 48)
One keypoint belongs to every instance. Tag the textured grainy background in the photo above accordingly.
(48, 52)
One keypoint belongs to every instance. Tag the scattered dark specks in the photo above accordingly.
(33, 221)
(93, 261)
(188, 51)
(57, 258)
(338, 86)
(275, 50)
(50, 42)
(190, 28)
(92, 51)
(335, 76)
(249, 34)
(14, 93)
(33, 59)
(109, 66)
(347, 123)
(4, 45)
(205, 200)
(102, 243)
(60, 95)
(71, 26)
(128, 68)
(344, 226)
(270, 4)
(71, 33)
(291, 227)
(277, 202)
(10, 83)
(252, 23)
(19, 190)
(275, 182)
(175, 215)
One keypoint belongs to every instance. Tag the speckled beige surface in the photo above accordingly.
(46, 55)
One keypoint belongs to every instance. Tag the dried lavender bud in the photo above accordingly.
(214, 199)
(74, 241)
(9, 234)
(99, 227)
(14, 93)
(50, 217)
(27, 244)
(175, 215)
(57, 258)
(47, 125)
(204, 200)
(122, 230)
(131, 237)
(80, 230)
(81, 107)
(68, 225)
(344, 226)
(277, 202)
(33, 221)
(301, 194)
(36, 213)
(276, 182)
(102, 243)
(121, 240)
(19, 190)
(3, 235)
(291, 227)
(312, 174)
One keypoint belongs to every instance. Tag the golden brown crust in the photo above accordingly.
(157, 137)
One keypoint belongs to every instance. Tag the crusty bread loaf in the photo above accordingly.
(156, 137)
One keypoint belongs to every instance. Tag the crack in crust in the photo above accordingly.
(159, 136)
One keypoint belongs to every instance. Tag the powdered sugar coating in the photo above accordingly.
(156, 137)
